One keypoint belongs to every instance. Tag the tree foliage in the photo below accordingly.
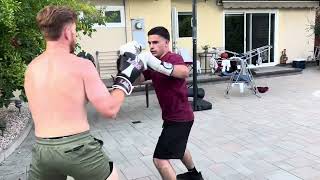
(21, 40)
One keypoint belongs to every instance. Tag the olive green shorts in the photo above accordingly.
(79, 156)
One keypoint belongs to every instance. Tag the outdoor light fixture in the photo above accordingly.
(2, 125)
(18, 104)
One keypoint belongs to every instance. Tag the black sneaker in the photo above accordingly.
(190, 176)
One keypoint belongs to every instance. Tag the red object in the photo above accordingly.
(224, 55)
(262, 89)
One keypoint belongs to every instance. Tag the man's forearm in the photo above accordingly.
(119, 95)
(180, 71)
(117, 100)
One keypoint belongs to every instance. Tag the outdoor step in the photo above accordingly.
(108, 71)
(108, 67)
(108, 62)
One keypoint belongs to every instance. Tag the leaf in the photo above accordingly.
(17, 19)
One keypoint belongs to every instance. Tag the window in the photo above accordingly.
(115, 16)
(184, 20)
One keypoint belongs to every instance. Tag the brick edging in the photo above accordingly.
(16, 142)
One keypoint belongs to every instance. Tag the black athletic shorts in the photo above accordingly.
(173, 140)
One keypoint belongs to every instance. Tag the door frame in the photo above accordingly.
(276, 29)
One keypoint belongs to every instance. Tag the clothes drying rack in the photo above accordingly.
(243, 75)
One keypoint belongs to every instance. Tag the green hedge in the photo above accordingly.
(21, 40)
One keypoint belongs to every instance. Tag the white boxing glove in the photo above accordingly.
(133, 47)
(156, 64)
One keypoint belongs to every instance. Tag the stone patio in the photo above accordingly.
(276, 137)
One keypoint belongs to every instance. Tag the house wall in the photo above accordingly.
(105, 38)
(293, 34)
(154, 13)
(209, 17)
(292, 25)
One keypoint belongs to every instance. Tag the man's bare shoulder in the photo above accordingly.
(85, 65)
(74, 63)
(36, 60)
(33, 64)
(84, 62)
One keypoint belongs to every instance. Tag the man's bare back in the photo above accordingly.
(56, 92)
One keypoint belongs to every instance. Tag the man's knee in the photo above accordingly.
(161, 163)
(114, 174)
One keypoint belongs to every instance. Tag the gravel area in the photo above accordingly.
(15, 123)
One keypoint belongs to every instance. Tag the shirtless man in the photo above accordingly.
(58, 85)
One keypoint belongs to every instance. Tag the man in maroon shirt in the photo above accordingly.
(168, 77)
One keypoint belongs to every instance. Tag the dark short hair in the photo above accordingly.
(52, 19)
(161, 31)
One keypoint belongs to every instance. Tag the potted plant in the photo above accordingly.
(205, 48)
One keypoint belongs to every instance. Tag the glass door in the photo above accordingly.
(260, 32)
(247, 31)
(234, 32)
